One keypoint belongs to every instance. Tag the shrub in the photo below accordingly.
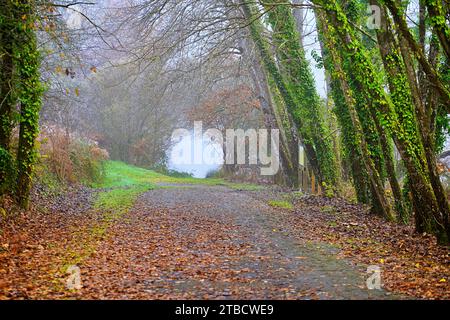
(70, 159)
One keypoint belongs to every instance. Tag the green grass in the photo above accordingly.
(281, 204)
(120, 175)
(120, 199)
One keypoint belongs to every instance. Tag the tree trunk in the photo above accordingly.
(31, 90)
(6, 76)
(288, 154)
(272, 71)
(308, 112)
(436, 14)
(433, 76)
(377, 188)
(432, 210)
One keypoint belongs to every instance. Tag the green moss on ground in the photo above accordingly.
(281, 204)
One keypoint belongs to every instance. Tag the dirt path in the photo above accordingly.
(215, 243)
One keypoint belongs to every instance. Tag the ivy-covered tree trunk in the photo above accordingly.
(399, 18)
(289, 139)
(330, 115)
(437, 18)
(295, 69)
(6, 96)
(6, 88)
(27, 62)
(379, 201)
(275, 77)
(404, 132)
(378, 137)
(273, 120)
(352, 149)
(407, 111)
(427, 108)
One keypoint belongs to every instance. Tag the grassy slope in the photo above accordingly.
(120, 175)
